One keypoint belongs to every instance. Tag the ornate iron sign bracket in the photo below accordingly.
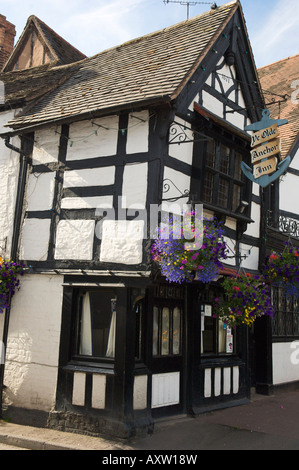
(166, 187)
(178, 134)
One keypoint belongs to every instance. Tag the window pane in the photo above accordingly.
(236, 196)
(97, 324)
(208, 325)
(208, 187)
(210, 154)
(85, 346)
(223, 192)
(165, 332)
(155, 331)
(176, 344)
(225, 338)
(224, 159)
(238, 171)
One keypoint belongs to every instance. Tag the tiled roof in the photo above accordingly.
(61, 50)
(29, 85)
(141, 70)
(65, 52)
(278, 78)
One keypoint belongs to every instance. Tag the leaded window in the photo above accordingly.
(223, 181)
(285, 322)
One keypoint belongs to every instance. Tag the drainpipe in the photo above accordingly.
(14, 250)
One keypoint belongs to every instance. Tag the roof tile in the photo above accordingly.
(146, 68)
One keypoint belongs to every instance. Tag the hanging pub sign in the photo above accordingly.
(267, 165)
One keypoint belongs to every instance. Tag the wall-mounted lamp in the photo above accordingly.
(241, 207)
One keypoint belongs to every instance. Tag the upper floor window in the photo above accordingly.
(223, 180)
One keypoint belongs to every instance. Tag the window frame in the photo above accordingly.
(285, 321)
(218, 174)
(161, 304)
(75, 356)
(215, 326)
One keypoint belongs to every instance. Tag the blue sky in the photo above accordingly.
(95, 25)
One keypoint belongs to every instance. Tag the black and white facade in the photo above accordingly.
(98, 341)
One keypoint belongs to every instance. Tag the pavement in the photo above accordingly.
(266, 423)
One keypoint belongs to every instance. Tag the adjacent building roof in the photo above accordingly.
(24, 87)
(149, 68)
(281, 79)
(51, 48)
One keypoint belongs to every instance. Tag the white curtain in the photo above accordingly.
(86, 335)
(110, 352)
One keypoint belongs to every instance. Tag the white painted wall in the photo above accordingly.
(138, 132)
(9, 170)
(135, 183)
(182, 152)
(35, 239)
(89, 177)
(283, 369)
(212, 104)
(295, 161)
(93, 138)
(96, 202)
(181, 181)
(74, 239)
(289, 193)
(165, 389)
(40, 191)
(252, 253)
(46, 145)
(253, 229)
(225, 78)
(33, 343)
(122, 241)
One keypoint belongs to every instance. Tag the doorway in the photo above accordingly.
(167, 350)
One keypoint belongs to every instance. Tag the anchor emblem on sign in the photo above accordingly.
(265, 153)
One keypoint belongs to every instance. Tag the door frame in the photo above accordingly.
(174, 296)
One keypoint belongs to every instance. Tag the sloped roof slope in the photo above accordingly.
(281, 78)
(24, 87)
(142, 70)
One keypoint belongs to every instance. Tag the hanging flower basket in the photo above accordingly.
(9, 281)
(179, 264)
(282, 269)
(245, 299)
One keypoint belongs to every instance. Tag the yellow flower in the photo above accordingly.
(247, 319)
(1, 261)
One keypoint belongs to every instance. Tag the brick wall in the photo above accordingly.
(7, 37)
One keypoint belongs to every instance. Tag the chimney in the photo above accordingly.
(7, 37)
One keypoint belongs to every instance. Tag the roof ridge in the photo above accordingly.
(277, 61)
(52, 41)
(167, 28)
(55, 33)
